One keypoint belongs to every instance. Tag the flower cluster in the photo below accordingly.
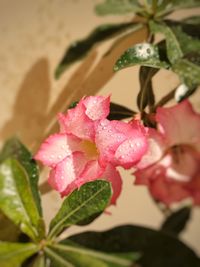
(90, 147)
(171, 166)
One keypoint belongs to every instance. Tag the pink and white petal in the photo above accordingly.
(183, 167)
(97, 107)
(108, 138)
(112, 175)
(67, 171)
(131, 151)
(55, 148)
(77, 123)
(90, 172)
(155, 151)
(173, 123)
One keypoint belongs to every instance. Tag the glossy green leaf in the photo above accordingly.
(15, 149)
(177, 221)
(144, 54)
(13, 254)
(157, 248)
(188, 72)
(119, 112)
(91, 199)
(146, 94)
(80, 48)
(117, 7)
(16, 199)
(8, 230)
(174, 51)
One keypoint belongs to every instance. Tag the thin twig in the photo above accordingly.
(165, 99)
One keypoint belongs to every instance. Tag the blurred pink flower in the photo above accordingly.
(89, 147)
(171, 166)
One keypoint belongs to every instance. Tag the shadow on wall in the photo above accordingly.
(29, 111)
(31, 119)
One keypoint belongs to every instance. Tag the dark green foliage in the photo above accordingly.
(177, 221)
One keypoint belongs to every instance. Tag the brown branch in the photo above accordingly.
(165, 99)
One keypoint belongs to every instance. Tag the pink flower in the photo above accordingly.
(89, 147)
(171, 166)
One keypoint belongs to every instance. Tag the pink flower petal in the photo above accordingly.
(131, 151)
(108, 138)
(90, 172)
(112, 175)
(155, 151)
(121, 143)
(55, 148)
(184, 164)
(77, 123)
(179, 124)
(67, 171)
(194, 188)
(146, 175)
(168, 192)
(97, 107)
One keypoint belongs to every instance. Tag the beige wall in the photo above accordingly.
(34, 35)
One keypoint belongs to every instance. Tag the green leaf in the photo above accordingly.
(79, 49)
(144, 54)
(194, 20)
(177, 221)
(156, 247)
(39, 261)
(193, 57)
(91, 199)
(83, 257)
(171, 6)
(179, 4)
(187, 43)
(117, 7)
(146, 94)
(8, 230)
(16, 200)
(15, 149)
(13, 254)
(119, 112)
(192, 30)
(188, 72)
(57, 260)
(174, 51)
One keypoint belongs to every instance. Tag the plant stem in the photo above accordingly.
(45, 188)
(154, 6)
(165, 99)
